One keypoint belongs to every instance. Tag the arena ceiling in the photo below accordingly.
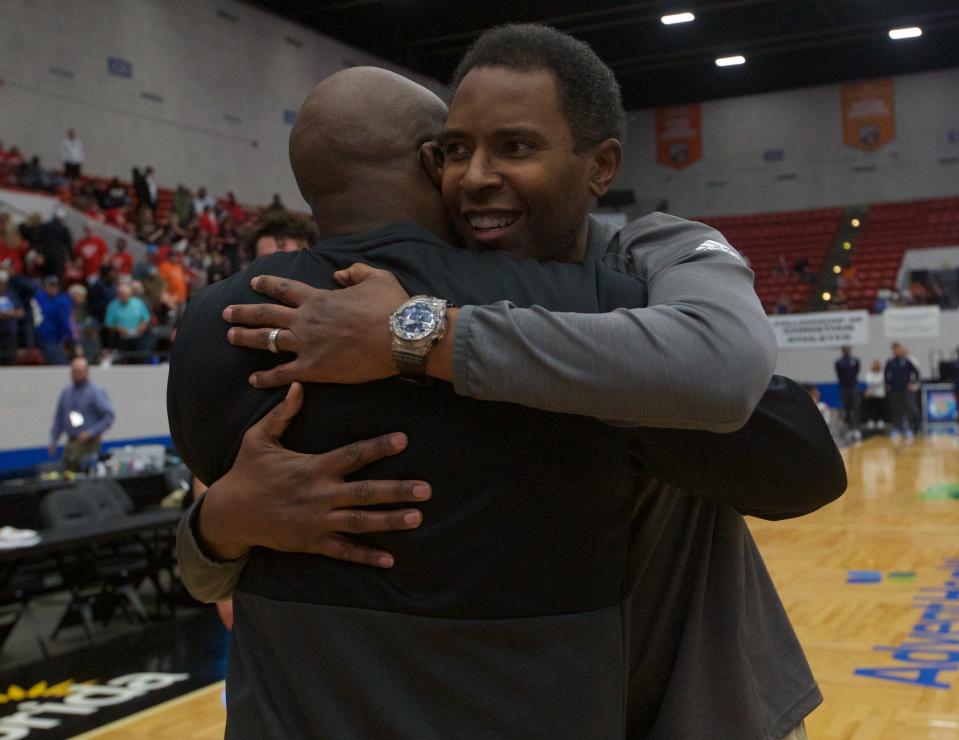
(787, 43)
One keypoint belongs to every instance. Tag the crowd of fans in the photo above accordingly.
(61, 297)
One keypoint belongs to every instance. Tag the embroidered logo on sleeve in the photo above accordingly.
(710, 245)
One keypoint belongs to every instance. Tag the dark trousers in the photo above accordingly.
(899, 405)
(875, 409)
(851, 406)
(8, 349)
(77, 455)
(71, 169)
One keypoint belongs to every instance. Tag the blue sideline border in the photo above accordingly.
(26, 458)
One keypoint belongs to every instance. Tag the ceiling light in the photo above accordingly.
(905, 33)
(677, 18)
(730, 61)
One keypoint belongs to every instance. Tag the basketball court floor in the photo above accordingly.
(871, 584)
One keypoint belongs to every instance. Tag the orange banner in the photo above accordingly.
(868, 114)
(679, 136)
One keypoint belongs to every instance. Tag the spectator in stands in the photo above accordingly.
(882, 301)
(71, 154)
(92, 251)
(102, 292)
(116, 196)
(54, 241)
(33, 176)
(847, 372)
(784, 304)
(122, 260)
(801, 268)
(281, 231)
(901, 375)
(128, 321)
(202, 201)
(229, 246)
(840, 301)
(54, 333)
(86, 327)
(233, 210)
(152, 190)
(781, 268)
(11, 260)
(83, 413)
(918, 292)
(208, 223)
(11, 311)
(182, 205)
(875, 406)
(276, 204)
(173, 274)
(141, 190)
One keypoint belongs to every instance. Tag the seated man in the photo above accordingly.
(511, 582)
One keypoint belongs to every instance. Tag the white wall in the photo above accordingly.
(204, 67)
(28, 397)
(807, 125)
(810, 365)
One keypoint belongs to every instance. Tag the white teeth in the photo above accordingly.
(490, 222)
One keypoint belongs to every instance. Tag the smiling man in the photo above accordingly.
(687, 351)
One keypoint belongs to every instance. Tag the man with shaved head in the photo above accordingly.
(506, 612)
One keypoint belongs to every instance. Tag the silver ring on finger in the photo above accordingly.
(271, 341)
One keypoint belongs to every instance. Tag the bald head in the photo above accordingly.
(356, 142)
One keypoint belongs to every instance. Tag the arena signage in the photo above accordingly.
(822, 329)
(911, 322)
(929, 656)
(58, 703)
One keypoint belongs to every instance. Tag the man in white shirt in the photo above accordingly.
(71, 154)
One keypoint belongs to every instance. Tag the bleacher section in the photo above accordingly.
(889, 230)
(794, 235)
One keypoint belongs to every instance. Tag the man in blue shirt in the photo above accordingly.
(83, 413)
(847, 372)
(54, 329)
(902, 377)
(128, 319)
(11, 311)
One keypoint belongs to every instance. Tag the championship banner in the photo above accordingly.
(822, 329)
(911, 322)
(868, 114)
(679, 137)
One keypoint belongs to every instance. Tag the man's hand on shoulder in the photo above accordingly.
(338, 336)
(273, 497)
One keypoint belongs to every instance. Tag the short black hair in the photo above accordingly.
(588, 90)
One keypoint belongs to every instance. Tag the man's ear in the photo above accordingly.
(431, 160)
(606, 157)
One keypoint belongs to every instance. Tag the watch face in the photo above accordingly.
(415, 321)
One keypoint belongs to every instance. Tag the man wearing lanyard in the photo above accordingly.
(84, 413)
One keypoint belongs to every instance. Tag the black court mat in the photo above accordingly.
(79, 691)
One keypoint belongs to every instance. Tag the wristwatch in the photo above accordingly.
(417, 326)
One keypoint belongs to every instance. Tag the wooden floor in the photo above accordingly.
(880, 525)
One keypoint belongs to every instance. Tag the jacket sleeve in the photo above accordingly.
(698, 355)
(783, 463)
(206, 579)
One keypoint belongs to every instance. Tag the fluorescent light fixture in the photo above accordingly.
(730, 61)
(905, 33)
(677, 18)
